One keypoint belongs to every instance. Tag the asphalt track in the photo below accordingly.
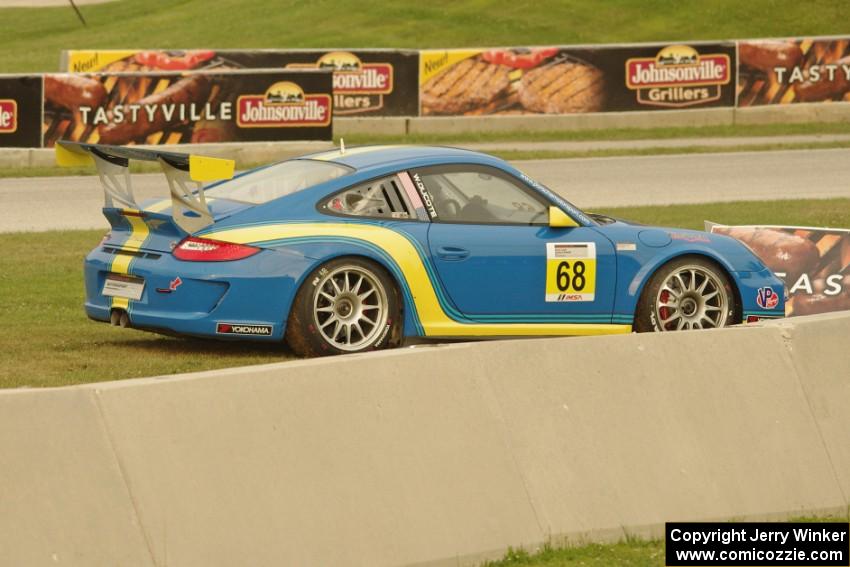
(32, 204)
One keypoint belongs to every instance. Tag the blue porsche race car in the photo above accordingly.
(360, 249)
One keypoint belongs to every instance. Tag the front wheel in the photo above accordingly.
(346, 305)
(688, 293)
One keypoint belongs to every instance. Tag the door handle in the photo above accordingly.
(452, 253)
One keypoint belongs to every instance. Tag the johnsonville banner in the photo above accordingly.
(20, 111)
(366, 82)
(793, 70)
(567, 80)
(187, 107)
(813, 262)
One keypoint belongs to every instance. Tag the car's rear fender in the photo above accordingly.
(324, 250)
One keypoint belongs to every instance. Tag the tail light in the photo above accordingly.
(193, 249)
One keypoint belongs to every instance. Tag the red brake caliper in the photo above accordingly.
(664, 311)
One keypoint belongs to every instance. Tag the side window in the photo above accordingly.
(480, 195)
(384, 198)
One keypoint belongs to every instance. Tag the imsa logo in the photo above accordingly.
(244, 329)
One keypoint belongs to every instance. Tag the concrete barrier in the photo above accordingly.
(793, 113)
(819, 352)
(63, 498)
(431, 455)
(569, 122)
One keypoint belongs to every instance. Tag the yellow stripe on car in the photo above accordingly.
(434, 320)
(139, 232)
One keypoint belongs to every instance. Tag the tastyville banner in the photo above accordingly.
(367, 82)
(187, 107)
(793, 70)
(566, 80)
(813, 262)
(20, 111)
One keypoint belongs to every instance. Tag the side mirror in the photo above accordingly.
(560, 219)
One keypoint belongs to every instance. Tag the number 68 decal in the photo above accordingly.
(570, 271)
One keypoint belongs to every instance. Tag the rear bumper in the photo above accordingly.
(256, 292)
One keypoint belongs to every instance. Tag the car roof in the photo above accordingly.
(368, 157)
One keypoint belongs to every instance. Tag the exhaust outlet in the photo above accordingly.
(119, 318)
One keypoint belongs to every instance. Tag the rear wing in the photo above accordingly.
(185, 174)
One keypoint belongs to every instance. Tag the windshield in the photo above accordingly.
(278, 180)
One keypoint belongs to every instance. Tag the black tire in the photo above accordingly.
(333, 314)
(660, 309)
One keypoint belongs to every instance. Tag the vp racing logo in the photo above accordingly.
(243, 329)
(284, 104)
(766, 298)
(678, 76)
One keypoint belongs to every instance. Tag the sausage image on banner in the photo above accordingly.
(816, 89)
(194, 89)
(785, 253)
(819, 301)
(73, 91)
(794, 70)
(813, 262)
(765, 56)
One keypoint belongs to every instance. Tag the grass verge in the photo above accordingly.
(632, 552)
(513, 155)
(814, 212)
(32, 38)
(768, 131)
(48, 341)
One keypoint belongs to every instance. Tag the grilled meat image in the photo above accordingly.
(765, 56)
(824, 89)
(562, 88)
(470, 84)
(72, 92)
(191, 89)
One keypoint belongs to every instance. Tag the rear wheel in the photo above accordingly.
(688, 293)
(346, 305)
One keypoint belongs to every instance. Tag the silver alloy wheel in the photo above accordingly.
(350, 307)
(691, 297)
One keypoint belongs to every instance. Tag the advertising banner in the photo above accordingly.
(193, 107)
(813, 262)
(20, 111)
(367, 82)
(566, 80)
(793, 70)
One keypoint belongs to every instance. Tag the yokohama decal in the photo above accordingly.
(244, 329)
